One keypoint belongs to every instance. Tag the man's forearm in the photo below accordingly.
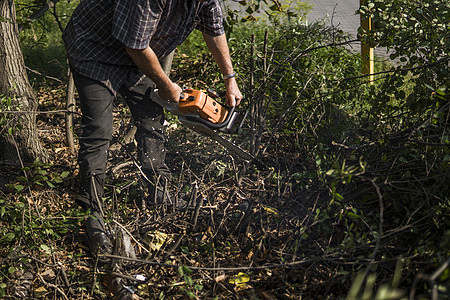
(147, 61)
(218, 47)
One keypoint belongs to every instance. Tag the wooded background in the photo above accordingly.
(354, 202)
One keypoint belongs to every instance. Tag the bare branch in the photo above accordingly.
(39, 13)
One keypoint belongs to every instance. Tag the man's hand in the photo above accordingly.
(170, 92)
(234, 95)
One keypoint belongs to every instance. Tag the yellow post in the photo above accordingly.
(366, 49)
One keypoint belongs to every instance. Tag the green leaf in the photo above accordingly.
(338, 196)
(189, 280)
(183, 270)
(57, 180)
(186, 270)
(50, 184)
(240, 279)
(40, 292)
(353, 215)
(65, 174)
(9, 237)
(46, 249)
(330, 172)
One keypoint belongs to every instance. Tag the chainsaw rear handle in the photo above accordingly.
(210, 124)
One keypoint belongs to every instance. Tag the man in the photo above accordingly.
(115, 47)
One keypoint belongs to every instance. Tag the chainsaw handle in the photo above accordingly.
(210, 124)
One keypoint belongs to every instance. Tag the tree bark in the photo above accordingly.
(23, 143)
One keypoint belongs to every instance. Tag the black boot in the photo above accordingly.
(98, 238)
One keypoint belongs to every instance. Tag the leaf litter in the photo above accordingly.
(243, 233)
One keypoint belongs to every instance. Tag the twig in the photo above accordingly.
(193, 196)
(95, 273)
(70, 106)
(64, 275)
(252, 99)
(136, 163)
(38, 112)
(57, 20)
(196, 212)
(281, 120)
(39, 13)
(325, 257)
(442, 60)
(29, 257)
(413, 131)
(430, 280)
(46, 76)
(380, 229)
(174, 246)
(131, 236)
(120, 166)
(54, 286)
(117, 274)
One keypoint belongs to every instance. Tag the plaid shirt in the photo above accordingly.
(99, 30)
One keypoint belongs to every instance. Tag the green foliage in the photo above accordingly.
(38, 174)
(5, 118)
(363, 288)
(13, 212)
(41, 41)
(9, 124)
(26, 227)
(416, 32)
(191, 288)
(381, 150)
(195, 66)
(262, 10)
(32, 226)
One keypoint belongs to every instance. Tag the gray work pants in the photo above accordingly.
(96, 102)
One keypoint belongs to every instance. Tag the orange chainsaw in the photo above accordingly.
(201, 112)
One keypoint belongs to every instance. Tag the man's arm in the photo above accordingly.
(219, 49)
(147, 61)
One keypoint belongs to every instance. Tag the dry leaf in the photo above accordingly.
(220, 278)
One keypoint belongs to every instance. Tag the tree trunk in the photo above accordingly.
(24, 141)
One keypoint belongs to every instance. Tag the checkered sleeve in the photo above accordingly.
(211, 19)
(135, 21)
